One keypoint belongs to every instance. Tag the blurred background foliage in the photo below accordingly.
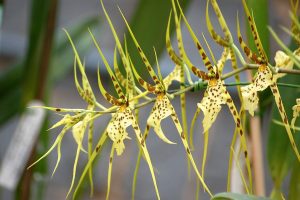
(48, 59)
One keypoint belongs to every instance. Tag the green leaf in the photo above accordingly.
(35, 63)
(235, 196)
(8, 109)
(294, 189)
(10, 78)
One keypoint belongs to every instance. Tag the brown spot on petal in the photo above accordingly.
(247, 51)
(188, 150)
(285, 120)
(182, 135)
(241, 132)
(141, 81)
(198, 46)
(194, 69)
(240, 39)
(207, 63)
(143, 142)
(150, 88)
(98, 148)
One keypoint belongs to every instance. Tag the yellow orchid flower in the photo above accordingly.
(216, 93)
(123, 118)
(162, 107)
(78, 122)
(116, 130)
(264, 77)
(67, 122)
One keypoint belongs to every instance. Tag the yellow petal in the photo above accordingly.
(282, 61)
(78, 131)
(211, 103)
(160, 111)
(250, 98)
(67, 119)
(264, 79)
(116, 128)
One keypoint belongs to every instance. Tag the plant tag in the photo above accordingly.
(21, 144)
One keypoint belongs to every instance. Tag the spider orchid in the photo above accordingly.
(116, 129)
(85, 91)
(216, 94)
(81, 120)
(162, 107)
(67, 122)
(296, 113)
(263, 78)
(123, 118)
(156, 115)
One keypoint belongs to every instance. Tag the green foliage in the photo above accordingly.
(235, 196)
(294, 191)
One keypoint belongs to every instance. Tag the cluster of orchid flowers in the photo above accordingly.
(125, 104)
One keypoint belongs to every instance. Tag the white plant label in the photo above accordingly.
(21, 145)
